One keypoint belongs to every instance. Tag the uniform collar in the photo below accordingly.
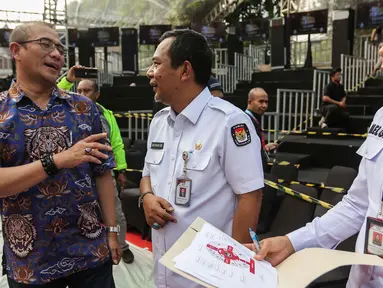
(16, 93)
(195, 108)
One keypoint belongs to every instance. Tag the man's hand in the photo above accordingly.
(78, 154)
(274, 250)
(121, 179)
(71, 77)
(342, 103)
(271, 146)
(157, 210)
(114, 247)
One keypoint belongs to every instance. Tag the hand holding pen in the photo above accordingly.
(274, 250)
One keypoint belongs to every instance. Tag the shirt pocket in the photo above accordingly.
(371, 149)
(153, 159)
(199, 161)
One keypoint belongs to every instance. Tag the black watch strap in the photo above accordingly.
(141, 199)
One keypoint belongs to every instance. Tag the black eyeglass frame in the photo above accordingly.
(52, 47)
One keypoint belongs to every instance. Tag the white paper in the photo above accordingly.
(219, 260)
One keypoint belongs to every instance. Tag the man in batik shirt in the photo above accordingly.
(55, 178)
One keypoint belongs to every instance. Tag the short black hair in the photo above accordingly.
(191, 46)
(334, 71)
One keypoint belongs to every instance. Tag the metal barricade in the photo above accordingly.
(226, 75)
(321, 79)
(268, 122)
(5, 65)
(258, 53)
(355, 71)
(244, 65)
(220, 56)
(295, 109)
(370, 51)
(138, 123)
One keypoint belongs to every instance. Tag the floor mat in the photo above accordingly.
(135, 238)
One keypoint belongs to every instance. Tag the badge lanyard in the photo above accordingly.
(259, 124)
(184, 184)
(373, 243)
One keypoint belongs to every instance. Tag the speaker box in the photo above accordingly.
(277, 43)
(343, 35)
(129, 50)
(234, 45)
(86, 52)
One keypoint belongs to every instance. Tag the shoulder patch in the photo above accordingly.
(241, 135)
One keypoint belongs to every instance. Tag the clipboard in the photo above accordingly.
(292, 273)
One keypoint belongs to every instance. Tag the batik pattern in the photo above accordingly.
(54, 228)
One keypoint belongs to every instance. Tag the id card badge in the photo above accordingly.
(374, 237)
(183, 191)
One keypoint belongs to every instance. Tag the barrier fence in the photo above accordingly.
(355, 71)
(321, 79)
(244, 66)
(272, 118)
(138, 123)
(227, 76)
(296, 108)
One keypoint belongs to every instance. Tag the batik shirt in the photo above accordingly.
(54, 228)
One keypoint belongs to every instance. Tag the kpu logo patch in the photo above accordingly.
(241, 135)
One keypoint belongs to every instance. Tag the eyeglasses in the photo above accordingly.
(48, 45)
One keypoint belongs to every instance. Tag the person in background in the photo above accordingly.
(379, 63)
(377, 35)
(333, 108)
(215, 87)
(54, 174)
(89, 89)
(257, 104)
(203, 153)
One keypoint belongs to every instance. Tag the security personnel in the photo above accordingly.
(215, 87)
(353, 214)
(203, 153)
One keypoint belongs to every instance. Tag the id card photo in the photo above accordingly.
(374, 237)
(183, 192)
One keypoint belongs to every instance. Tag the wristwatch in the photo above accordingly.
(141, 199)
(113, 229)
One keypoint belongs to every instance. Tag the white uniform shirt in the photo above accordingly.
(219, 170)
(350, 215)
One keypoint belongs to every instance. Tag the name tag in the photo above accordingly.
(157, 145)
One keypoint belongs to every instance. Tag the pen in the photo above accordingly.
(255, 240)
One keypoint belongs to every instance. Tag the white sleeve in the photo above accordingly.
(240, 155)
(146, 170)
(340, 222)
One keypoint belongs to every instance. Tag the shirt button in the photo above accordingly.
(173, 158)
(194, 166)
(169, 183)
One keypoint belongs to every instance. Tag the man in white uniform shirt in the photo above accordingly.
(203, 153)
(355, 213)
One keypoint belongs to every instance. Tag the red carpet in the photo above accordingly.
(135, 238)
